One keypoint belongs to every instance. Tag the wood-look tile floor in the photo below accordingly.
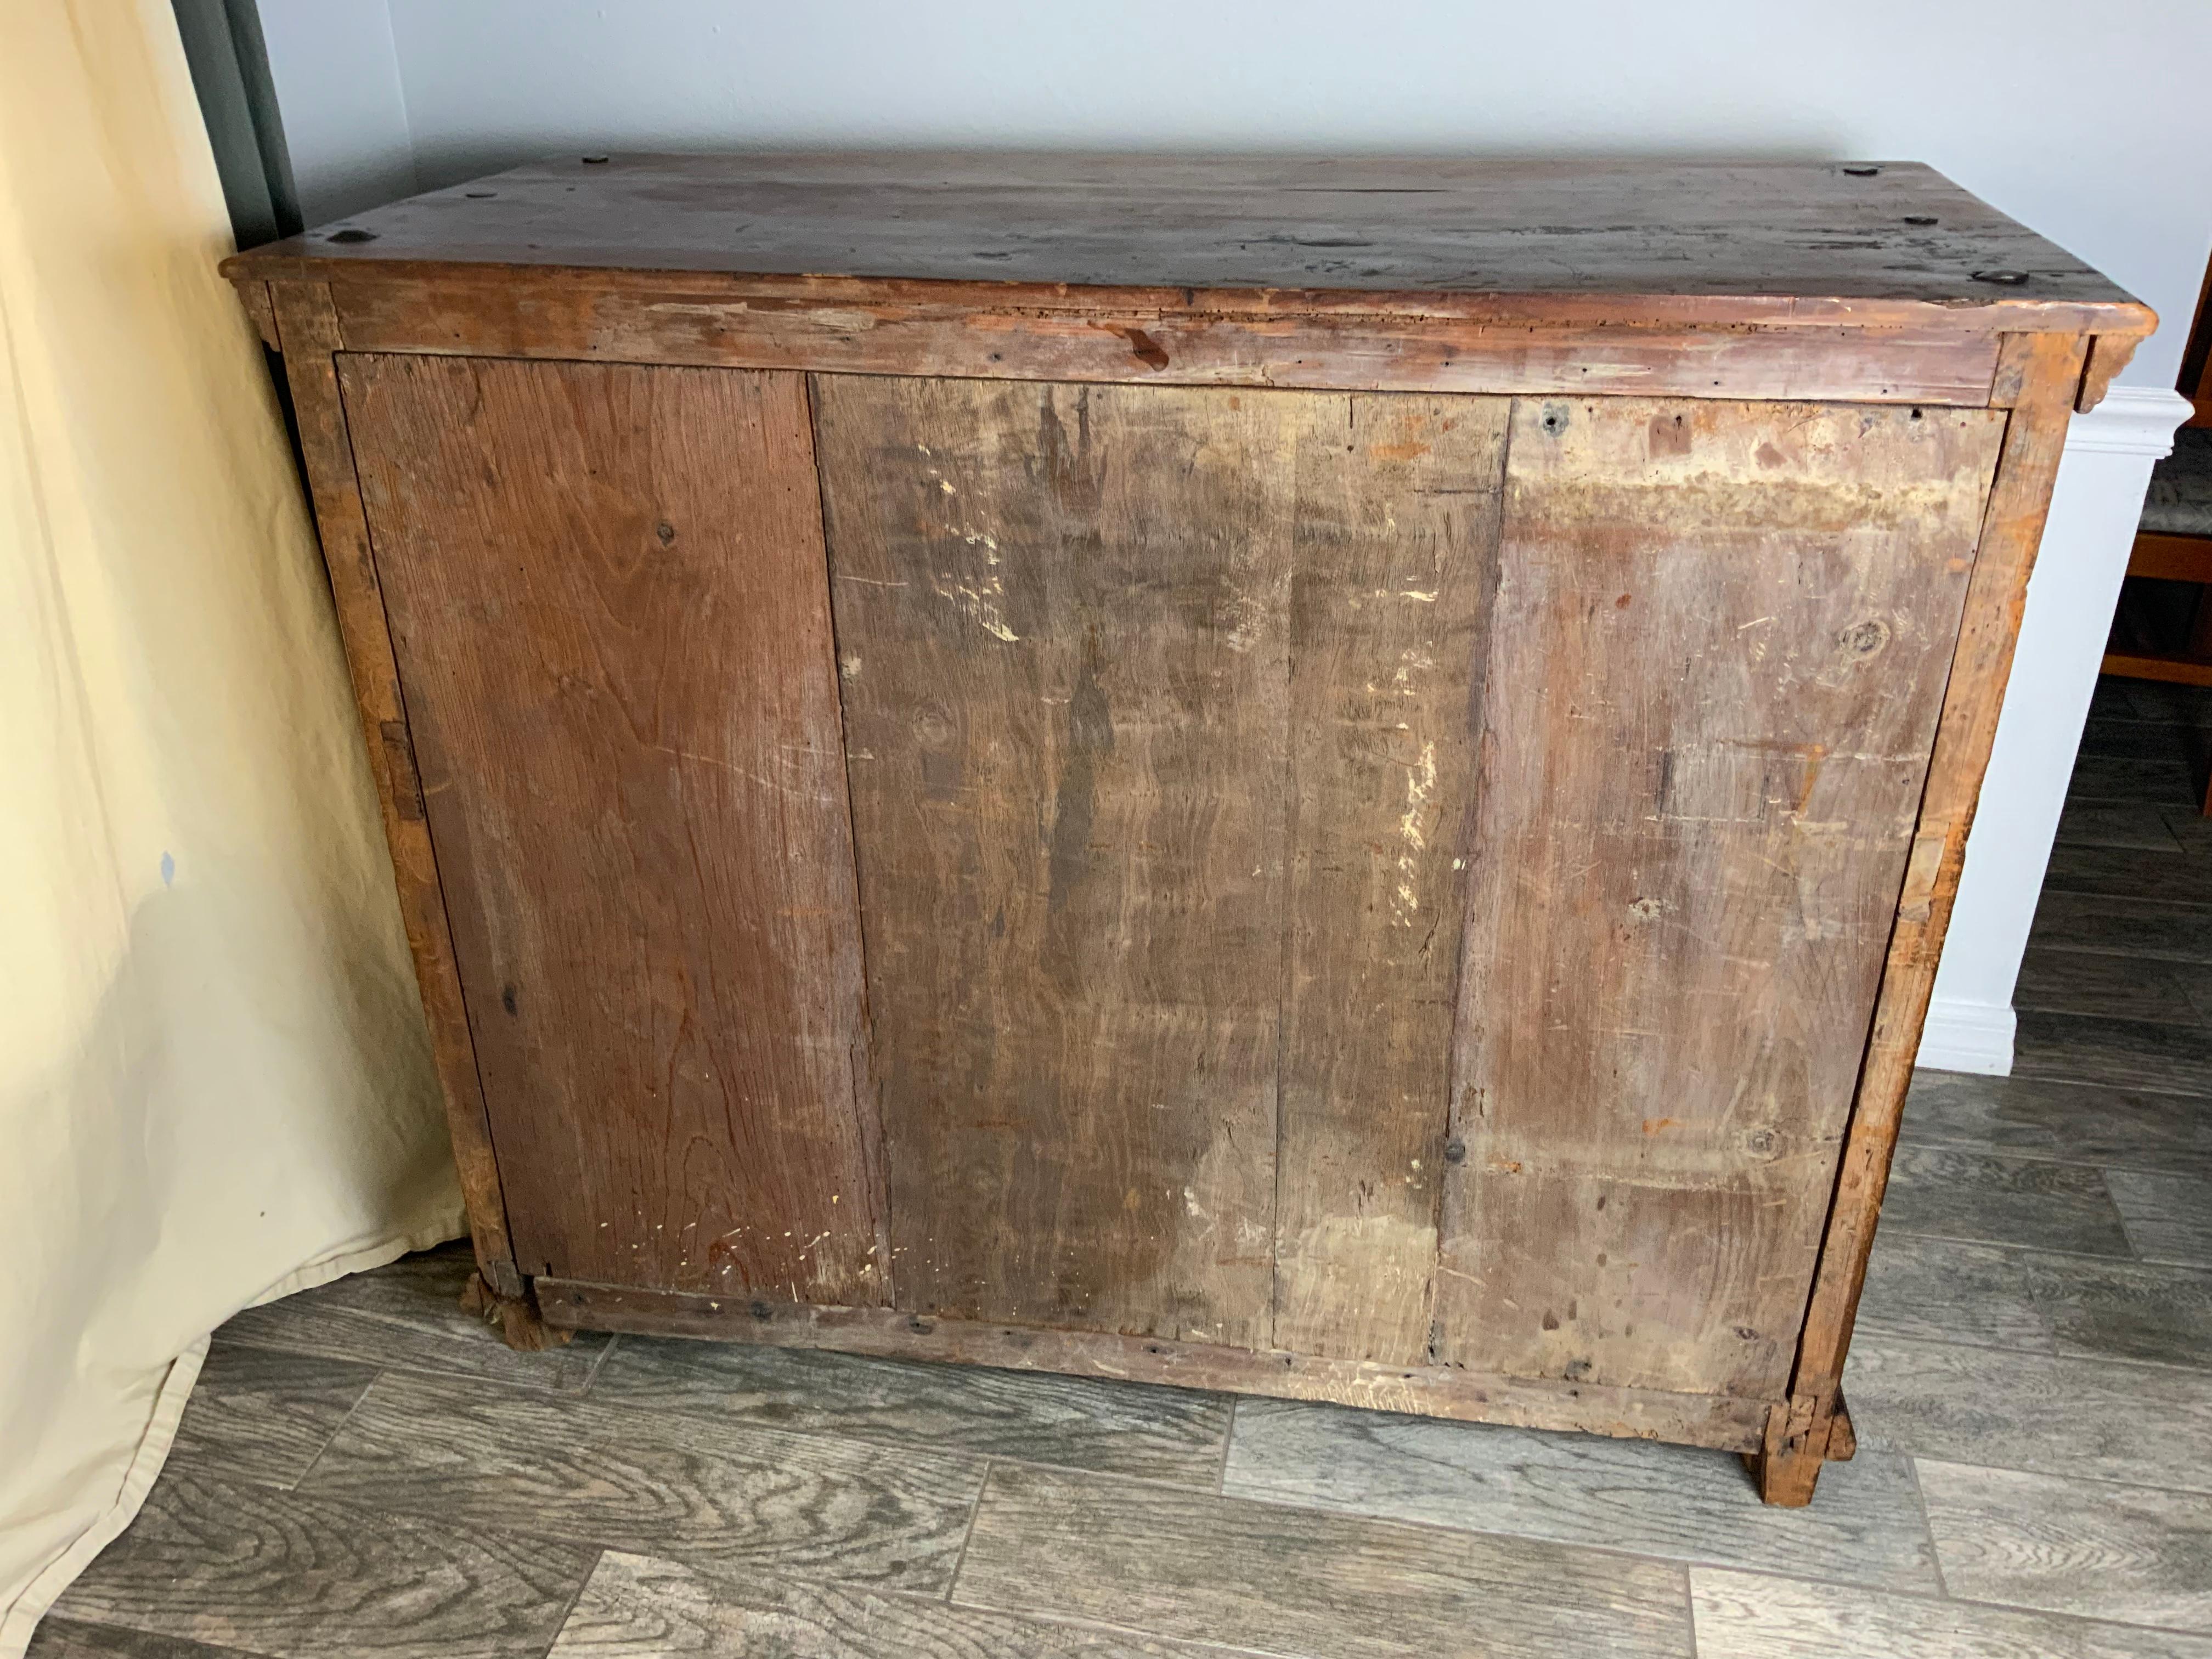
(363, 1470)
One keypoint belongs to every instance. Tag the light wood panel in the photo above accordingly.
(606, 593)
(1720, 643)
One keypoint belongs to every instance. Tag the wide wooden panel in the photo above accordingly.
(1063, 630)
(1394, 557)
(609, 604)
(1721, 638)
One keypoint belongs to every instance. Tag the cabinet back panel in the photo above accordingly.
(1719, 649)
(608, 599)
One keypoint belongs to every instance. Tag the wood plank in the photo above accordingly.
(722, 323)
(2037, 376)
(635, 1607)
(2177, 879)
(2171, 558)
(1175, 1435)
(608, 596)
(2117, 1052)
(2084, 1547)
(1201, 1568)
(2084, 1306)
(574, 1474)
(407, 1315)
(2029, 1118)
(2090, 1418)
(2059, 981)
(1395, 562)
(2146, 928)
(1699, 1419)
(2176, 670)
(2115, 824)
(1740, 1616)
(299, 1577)
(1733, 241)
(1951, 1193)
(1061, 621)
(263, 1415)
(2168, 1217)
(307, 328)
(73, 1639)
(1675, 1502)
(1682, 885)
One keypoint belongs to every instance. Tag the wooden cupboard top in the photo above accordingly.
(1705, 244)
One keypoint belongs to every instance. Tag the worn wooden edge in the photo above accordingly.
(1996, 315)
(1722, 1422)
(531, 317)
(254, 297)
(514, 1317)
(307, 330)
(2038, 374)
(2108, 355)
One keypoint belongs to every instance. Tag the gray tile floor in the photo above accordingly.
(365, 1471)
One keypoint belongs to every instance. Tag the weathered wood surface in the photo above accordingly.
(1151, 339)
(1062, 634)
(1698, 1419)
(607, 596)
(2036, 380)
(307, 330)
(1719, 646)
(1733, 241)
(1393, 563)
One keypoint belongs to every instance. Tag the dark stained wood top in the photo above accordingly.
(1873, 243)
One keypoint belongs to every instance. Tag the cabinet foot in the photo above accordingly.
(514, 1317)
(1798, 1442)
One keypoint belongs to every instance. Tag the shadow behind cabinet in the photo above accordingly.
(1352, 841)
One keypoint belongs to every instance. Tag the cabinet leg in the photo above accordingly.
(514, 1317)
(1801, 1436)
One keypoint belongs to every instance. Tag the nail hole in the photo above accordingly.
(1862, 171)
(1919, 218)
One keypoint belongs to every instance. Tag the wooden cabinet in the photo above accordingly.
(1323, 779)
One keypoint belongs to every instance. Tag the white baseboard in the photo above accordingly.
(1968, 1037)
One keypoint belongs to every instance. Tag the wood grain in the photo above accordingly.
(2117, 987)
(72, 1638)
(408, 1315)
(1677, 1502)
(2091, 1308)
(2148, 1424)
(1153, 339)
(2168, 1217)
(2036, 379)
(588, 1477)
(1731, 242)
(1212, 1569)
(1683, 880)
(2085, 1547)
(1394, 563)
(2027, 1117)
(1121, 1428)
(1700, 1419)
(2140, 927)
(299, 1577)
(1743, 1617)
(607, 595)
(263, 1415)
(2136, 1053)
(308, 333)
(1951, 1193)
(1061, 625)
(635, 1607)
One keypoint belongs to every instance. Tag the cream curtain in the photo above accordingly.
(215, 1084)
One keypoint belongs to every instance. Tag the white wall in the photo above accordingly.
(2086, 121)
